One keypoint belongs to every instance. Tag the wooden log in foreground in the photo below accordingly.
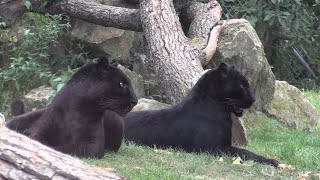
(23, 158)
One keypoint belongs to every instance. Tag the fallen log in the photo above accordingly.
(23, 158)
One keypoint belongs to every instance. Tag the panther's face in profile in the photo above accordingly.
(108, 86)
(230, 87)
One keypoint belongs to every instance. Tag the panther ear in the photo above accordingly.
(223, 69)
(103, 63)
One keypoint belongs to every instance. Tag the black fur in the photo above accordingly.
(17, 107)
(202, 121)
(80, 117)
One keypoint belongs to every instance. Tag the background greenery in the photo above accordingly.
(282, 25)
(27, 60)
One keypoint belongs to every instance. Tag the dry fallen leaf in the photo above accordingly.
(220, 159)
(162, 151)
(307, 175)
(237, 160)
(285, 167)
(201, 177)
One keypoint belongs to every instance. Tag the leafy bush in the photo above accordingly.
(278, 20)
(25, 60)
(25, 55)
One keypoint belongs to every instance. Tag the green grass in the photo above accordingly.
(300, 149)
(138, 162)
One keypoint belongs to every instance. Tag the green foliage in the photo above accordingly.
(278, 20)
(59, 81)
(28, 5)
(295, 17)
(113, 58)
(25, 63)
(25, 60)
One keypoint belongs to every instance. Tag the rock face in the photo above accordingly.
(136, 80)
(239, 45)
(290, 106)
(104, 40)
(239, 131)
(239, 136)
(149, 104)
(38, 97)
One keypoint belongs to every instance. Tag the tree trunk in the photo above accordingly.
(23, 158)
(169, 52)
(175, 58)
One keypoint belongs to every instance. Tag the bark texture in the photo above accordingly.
(22, 158)
(105, 15)
(170, 54)
(204, 29)
(110, 16)
(174, 57)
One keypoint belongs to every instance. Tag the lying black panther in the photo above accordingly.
(82, 118)
(202, 121)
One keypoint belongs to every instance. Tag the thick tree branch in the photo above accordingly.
(204, 29)
(24, 158)
(105, 15)
(110, 16)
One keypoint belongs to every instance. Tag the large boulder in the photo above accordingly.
(239, 136)
(104, 40)
(38, 98)
(239, 45)
(291, 107)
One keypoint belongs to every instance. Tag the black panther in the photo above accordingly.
(84, 118)
(202, 121)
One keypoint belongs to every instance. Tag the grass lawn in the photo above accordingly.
(297, 148)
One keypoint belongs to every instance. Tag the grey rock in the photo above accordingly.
(104, 40)
(239, 45)
(38, 98)
(136, 80)
(239, 132)
(149, 104)
(290, 106)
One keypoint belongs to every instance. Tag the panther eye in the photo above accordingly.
(121, 84)
(241, 86)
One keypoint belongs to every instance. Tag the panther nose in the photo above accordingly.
(133, 102)
(253, 99)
